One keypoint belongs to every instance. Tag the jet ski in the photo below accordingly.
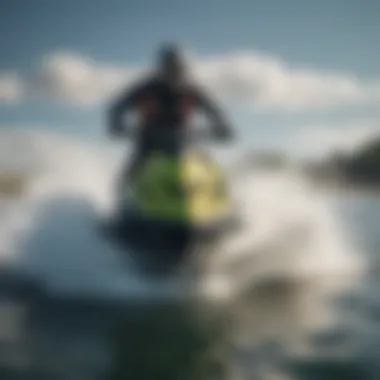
(178, 199)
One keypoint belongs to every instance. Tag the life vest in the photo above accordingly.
(148, 108)
(187, 106)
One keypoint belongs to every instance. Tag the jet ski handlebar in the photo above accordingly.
(192, 135)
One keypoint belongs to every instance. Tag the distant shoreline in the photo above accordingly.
(347, 187)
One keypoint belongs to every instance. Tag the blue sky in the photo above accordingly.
(337, 37)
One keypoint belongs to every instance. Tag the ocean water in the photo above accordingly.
(290, 295)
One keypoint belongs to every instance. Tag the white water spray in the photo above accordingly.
(51, 232)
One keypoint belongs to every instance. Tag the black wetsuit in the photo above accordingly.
(163, 108)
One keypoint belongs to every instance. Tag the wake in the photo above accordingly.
(50, 234)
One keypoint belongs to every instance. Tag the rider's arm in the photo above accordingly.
(126, 101)
(211, 109)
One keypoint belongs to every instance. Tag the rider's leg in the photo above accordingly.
(131, 167)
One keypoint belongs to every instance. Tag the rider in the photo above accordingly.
(165, 102)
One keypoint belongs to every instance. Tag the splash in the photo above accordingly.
(50, 233)
(288, 232)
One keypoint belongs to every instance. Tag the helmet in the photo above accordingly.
(171, 57)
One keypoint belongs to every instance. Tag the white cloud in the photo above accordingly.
(321, 140)
(260, 81)
(11, 87)
(268, 83)
(77, 80)
(263, 82)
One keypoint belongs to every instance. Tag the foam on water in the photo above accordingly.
(288, 233)
(51, 232)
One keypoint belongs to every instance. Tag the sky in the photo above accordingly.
(303, 76)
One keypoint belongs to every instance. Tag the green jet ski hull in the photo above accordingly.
(189, 190)
(177, 202)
